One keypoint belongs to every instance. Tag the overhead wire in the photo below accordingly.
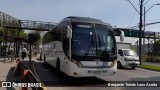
(133, 17)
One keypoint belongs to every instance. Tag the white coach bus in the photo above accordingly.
(81, 47)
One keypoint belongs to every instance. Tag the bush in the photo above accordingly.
(153, 59)
(144, 57)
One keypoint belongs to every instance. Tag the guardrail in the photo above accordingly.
(7, 20)
(27, 76)
(11, 22)
(36, 25)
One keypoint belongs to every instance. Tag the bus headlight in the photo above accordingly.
(74, 61)
(77, 63)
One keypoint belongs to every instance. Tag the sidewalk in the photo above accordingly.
(6, 70)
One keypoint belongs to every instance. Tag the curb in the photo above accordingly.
(149, 69)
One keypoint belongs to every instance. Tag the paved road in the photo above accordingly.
(134, 75)
(54, 79)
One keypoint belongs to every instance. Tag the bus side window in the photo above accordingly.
(120, 52)
(66, 45)
(64, 38)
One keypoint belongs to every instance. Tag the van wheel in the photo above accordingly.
(119, 64)
(58, 64)
(133, 67)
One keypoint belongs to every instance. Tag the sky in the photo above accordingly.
(119, 13)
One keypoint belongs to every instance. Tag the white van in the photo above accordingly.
(127, 58)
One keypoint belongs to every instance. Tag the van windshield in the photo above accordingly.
(129, 53)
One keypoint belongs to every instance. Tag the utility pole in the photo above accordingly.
(140, 31)
(30, 39)
(144, 20)
(140, 27)
(144, 23)
(141, 24)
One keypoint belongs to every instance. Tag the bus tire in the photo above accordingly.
(119, 64)
(133, 67)
(58, 64)
(44, 58)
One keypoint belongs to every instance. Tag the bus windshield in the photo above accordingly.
(92, 40)
(104, 40)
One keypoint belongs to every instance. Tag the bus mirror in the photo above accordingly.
(122, 36)
(120, 33)
(69, 32)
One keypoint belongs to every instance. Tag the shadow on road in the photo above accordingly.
(126, 68)
(52, 77)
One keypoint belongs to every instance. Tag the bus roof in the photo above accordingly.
(87, 20)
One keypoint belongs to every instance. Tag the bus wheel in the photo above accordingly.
(119, 64)
(44, 58)
(133, 67)
(58, 64)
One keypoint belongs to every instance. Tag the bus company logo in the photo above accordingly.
(6, 84)
(97, 61)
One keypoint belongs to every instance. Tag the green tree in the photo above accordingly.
(23, 35)
(37, 38)
(1, 39)
(10, 35)
(1, 35)
(48, 37)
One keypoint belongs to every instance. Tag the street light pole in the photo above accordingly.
(151, 7)
(144, 22)
(140, 31)
(141, 25)
(140, 28)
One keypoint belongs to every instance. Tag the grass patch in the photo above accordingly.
(150, 67)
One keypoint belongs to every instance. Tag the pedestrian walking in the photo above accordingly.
(24, 53)
(12, 55)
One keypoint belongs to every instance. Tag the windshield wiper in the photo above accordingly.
(105, 52)
(99, 42)
(92, 42)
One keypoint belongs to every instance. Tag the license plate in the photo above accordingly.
(96, 72)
